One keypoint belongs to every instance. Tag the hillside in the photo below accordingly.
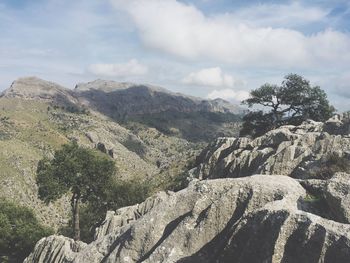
(38, 116)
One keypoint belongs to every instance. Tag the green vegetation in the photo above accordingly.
(83, 172)
(118, 194)
(174, 178)
(19, 232)
(291, 103)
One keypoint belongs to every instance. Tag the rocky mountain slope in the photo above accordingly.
(288, 214)
(171, 113)
(118, 99)
(37, 117)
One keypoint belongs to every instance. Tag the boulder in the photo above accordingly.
(55, 249)
(253, 219)
(337, 195)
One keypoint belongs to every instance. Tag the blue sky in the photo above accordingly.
(207, 48)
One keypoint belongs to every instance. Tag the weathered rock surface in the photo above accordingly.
(335, 192)
(55, 249)
(288, 150)
(253, 219)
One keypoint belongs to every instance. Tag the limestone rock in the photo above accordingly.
(288, 150)
(55, 249)
(339, 124)
(253, 219)
(336, 194)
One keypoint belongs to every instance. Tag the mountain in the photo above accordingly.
(115, 98)
(118, 99)
(37, 117)
(38, 89)
(296, 210)
(171, 113)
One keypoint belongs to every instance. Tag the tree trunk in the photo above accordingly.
(75, 210)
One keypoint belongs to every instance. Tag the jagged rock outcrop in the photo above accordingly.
(253, 219)
(288, 150)
(335, 192)
(55, 249)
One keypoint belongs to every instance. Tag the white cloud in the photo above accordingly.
(229, 94)
(212, 77)
(130, 68)
(183, 30)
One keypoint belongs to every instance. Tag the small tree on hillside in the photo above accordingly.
(85, 173)
(291, 103)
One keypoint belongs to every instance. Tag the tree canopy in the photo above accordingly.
(85, 173)
(290, 103)
(19, 232)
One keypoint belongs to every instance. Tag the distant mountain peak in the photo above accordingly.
(36, 88)
(116, 98)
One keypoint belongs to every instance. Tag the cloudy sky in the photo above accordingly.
(207, 48)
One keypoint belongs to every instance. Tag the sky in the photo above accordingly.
(205, 48)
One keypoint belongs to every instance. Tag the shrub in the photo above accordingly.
(19, 232)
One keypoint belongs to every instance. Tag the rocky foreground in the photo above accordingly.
(283, 214)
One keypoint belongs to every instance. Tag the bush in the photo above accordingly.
(19, 232)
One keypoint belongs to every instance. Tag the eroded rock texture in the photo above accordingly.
(260, 218)
(289, 150)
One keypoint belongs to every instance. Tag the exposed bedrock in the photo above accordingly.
(261, 218)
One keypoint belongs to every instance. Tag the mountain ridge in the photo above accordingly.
(117, 95)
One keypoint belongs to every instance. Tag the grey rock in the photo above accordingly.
(339, 124)
(55, 249)
(253, 219)
(337, 195)
(288, 150)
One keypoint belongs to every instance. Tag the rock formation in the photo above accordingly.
(261, 218)
(288, 150)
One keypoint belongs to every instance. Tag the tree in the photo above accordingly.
(19, 232)
(119, 194)
(291, 103)
(84, 173)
